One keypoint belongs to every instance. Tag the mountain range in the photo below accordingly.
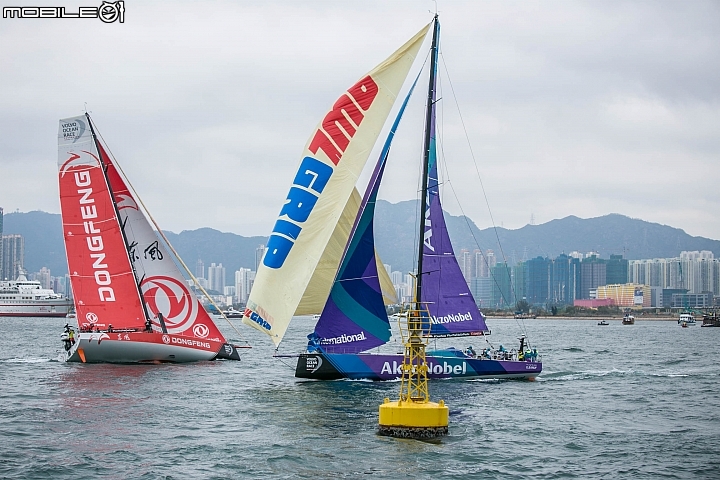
(396, 239)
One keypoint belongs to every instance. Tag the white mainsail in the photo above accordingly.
(332, 160)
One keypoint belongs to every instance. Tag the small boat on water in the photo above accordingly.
(132, 303)
(684, 325)
(628, 319)
(232, 313)
(603, 322)
(711, 319)
(686, 318)
(353, 325)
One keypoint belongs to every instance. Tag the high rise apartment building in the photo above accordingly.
(696, 272)
(199, 269)
(244, 278)
(259, 254)
(216, 277)
(13, 256)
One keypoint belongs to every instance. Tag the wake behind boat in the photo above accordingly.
(131, 301)
(354, 319)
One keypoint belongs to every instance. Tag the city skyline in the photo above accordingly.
(571, 108)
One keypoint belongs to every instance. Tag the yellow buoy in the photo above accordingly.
(413, 415)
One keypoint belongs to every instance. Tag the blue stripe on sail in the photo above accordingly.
(355, 307)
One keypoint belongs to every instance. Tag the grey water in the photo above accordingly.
(617, 401)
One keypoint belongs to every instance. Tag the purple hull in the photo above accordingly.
(334, 366)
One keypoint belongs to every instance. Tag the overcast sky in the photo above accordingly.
(571, 108)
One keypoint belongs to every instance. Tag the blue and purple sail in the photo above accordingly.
(445, 292)
(354, 319)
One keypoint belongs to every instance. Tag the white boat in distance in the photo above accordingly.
(27, 298)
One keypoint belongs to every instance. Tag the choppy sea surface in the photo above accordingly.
(615, 401)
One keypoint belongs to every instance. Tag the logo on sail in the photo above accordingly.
(201, 330)
(344, 339)
(126, 201)
(333, 137)
(76, 160)
(450, 318)
(172, 298)
(255, 317)
(72, 130)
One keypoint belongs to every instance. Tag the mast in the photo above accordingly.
(429, 120)
(117, 214)
(414, 415)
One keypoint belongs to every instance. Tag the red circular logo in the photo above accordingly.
(173, 299)
(201, 330)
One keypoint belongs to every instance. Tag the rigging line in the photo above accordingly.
(472, 233)
(477, 170)
(279, 360)
(446, 173)
(167, 242)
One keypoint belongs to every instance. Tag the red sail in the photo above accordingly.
(102, 280)
(163, 287)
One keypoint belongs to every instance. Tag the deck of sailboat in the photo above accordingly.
(378, 366)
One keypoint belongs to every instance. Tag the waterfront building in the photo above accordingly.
(216, 277)
(564, 280)
(244, 278)
(616, 270)
(537, 280)
(626, 295)
(465, 262)
(481, 289)
(259, 254)
(199, 269)
(13, 247)
(502, 293)
(487, 262)
(692, 300)
(396, 277)
(44, 278)
(593, 273)
(696, 272)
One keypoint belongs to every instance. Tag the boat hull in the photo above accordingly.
(334, 366)
(141, 347)
(38, 308)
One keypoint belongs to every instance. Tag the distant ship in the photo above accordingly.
(27, 298)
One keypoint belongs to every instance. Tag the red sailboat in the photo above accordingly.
(132, 302)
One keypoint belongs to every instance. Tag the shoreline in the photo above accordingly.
(652, 318)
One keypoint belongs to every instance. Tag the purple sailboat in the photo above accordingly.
(354, 319)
